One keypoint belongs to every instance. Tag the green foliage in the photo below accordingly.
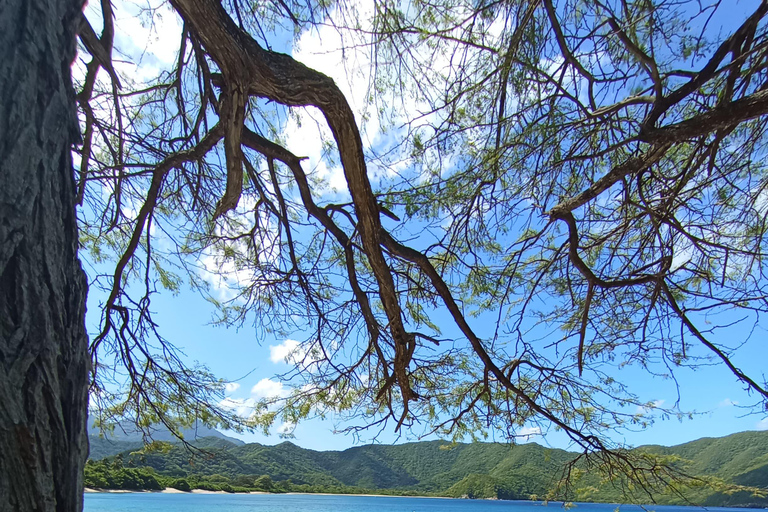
(263, 483)
(181, 484)
(100, 447)
(105, 475)
(475, 487)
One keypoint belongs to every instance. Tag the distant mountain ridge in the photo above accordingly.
(126, 437)
(482, 470)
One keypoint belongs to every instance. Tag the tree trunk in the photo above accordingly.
(43, 345)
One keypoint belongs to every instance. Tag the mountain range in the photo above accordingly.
(477, 470)
(125, 437)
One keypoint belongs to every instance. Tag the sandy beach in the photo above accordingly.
(170, 490)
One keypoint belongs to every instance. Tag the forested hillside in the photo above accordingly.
(477, 470)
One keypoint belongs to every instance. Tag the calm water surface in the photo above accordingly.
(156, 502)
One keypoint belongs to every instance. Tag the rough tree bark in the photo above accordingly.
(43, 345)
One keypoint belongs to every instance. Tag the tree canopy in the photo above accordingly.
(578, 185)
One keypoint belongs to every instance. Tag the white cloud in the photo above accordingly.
(344, 55)
(286, 428)
(305, 134)
(762, 424)
(222, 274)
(231, 387)
(243, 407)
(727, 403)
(147, 32)
(150, 31)
(331, 50)
(645, 409)
(293, 352)
(269, 389)
(761, 201)
(285, 352)
(683, 253)
(526, 433)
(232, 263)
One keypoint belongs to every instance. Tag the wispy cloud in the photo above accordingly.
(286, 429)
(147, 32)
(526, 433)
(645, 409)
(304, 355)
(269, 389)
(728, 403)
(762, 424)
(285, 352)
(228, 265)
(344, 55)
(243, 407)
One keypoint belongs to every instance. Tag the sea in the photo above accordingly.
(158, 502)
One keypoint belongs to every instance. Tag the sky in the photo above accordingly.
(711, 393)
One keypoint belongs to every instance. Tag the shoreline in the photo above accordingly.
(171, 490)
(368, 495)
(167, 490)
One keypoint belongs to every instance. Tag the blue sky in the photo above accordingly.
(711, 393)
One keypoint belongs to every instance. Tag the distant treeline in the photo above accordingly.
(113, 475)
(724, 468)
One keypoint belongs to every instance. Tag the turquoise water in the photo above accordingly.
(156, 502)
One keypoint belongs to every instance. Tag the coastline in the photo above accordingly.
(368, 495)
(171, 490)
(167, 490)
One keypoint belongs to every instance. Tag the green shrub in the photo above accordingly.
(181, 484)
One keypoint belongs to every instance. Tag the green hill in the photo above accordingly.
(476, 470)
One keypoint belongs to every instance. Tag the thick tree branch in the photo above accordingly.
(722, 117)
(280, 78)
(708, 71)
(271, 150)
(631, 166)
